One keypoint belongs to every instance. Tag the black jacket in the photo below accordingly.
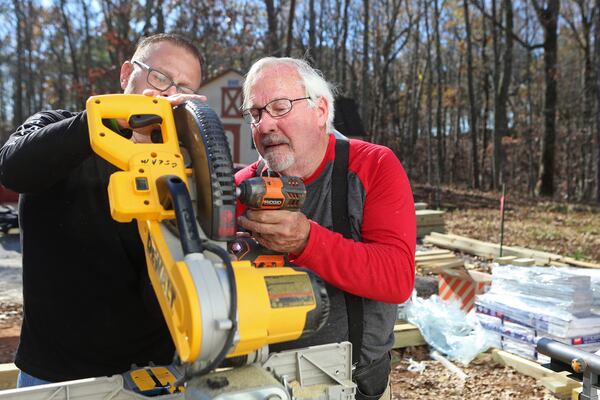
(89, 309)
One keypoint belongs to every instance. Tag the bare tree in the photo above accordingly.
(344, 42)
(312, 34)
(77, 81)
(485, 77)
(472, 104)
(429, 98)
(548, 17)
(413, 99)
(597, 51)
(440, 130)
(290, 28)
(272, 40)
(582, 36)
(386, 53)
(502, 80)
(19, 67)
(365, 63)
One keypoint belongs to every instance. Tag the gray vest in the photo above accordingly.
(378, 318)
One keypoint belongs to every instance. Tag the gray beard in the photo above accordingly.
(275, 160)
(279, 163)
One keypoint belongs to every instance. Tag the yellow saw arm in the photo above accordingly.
(212, 308)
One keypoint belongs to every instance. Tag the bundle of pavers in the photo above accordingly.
(526, 303)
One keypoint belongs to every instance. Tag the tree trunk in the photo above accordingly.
(30, 82)
(18, 79)
(597, 49)
(148, 14)
(312, 31)
(413, 100)
(290, 30)
(501, 100)
(88, 60)
(531, 173)
(549, 20)
(365, 66)
(160, 16)
(472, 105)
(440, 92)
(496, 135)
(589, 90)
(344, 44)
(486, 103)
(429, 99)
(77, 84)
(272, 42)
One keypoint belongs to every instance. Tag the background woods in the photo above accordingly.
(466, 92)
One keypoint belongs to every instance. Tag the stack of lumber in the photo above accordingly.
(436, 260)
(429, 221)
(492, 250)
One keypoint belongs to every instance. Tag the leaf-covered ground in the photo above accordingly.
(486, 380)
(566, 229)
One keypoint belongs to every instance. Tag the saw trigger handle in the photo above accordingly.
(141, 120)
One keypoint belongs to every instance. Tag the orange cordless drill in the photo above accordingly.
(267, 193)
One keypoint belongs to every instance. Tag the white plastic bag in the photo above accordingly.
(447, 329)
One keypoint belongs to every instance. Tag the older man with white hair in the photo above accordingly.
(357, 228)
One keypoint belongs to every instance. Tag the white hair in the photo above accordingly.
(311, 79)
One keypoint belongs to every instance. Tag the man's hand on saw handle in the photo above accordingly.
(279, 230)
(175, 99)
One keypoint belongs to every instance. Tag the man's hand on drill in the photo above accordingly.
(278, 230)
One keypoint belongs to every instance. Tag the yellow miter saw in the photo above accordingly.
(181, 192)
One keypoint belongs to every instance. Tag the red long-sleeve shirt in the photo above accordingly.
(381, 208)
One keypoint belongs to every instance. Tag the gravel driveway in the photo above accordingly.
(10, 270)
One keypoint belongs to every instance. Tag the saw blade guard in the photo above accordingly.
(203, 138)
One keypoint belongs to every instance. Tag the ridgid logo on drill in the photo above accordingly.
(272, 202)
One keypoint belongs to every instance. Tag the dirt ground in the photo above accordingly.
(11, 316)
(572, 230)
(486, 380)
(567, 229)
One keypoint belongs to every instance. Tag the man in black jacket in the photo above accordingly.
(89, 308)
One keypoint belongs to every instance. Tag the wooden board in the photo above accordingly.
(430, 217)
(556, 382)
(420, 206)
(486, 249)
(434, 252)
(406, 335)
(492, 250)
(578, 263)
(8, 376)
(435, 257)
(424, 231)
(437, 268)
